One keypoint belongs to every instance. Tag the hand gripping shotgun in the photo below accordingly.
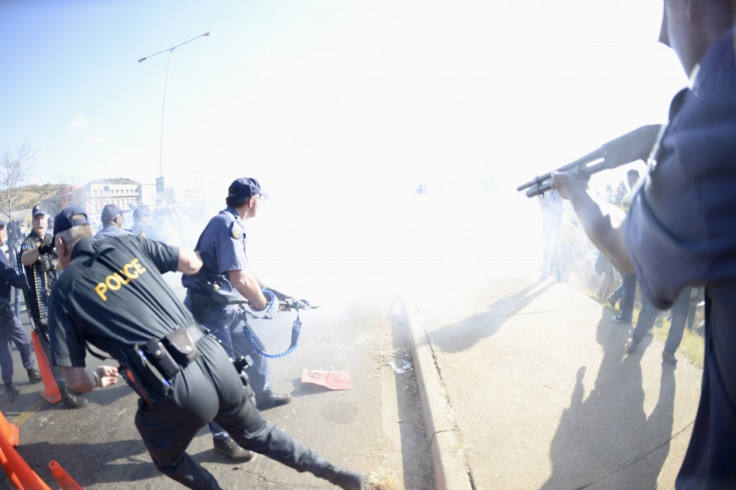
(632, 146)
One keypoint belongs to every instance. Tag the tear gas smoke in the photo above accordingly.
(352, 242)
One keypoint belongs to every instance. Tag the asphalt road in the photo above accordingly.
(376, 426)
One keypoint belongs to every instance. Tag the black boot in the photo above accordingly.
(343, 478)
(269, 399)
(34, 376)
(69, 399)
(231, 450)
(11, 391)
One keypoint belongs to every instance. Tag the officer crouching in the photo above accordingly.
(112, 295)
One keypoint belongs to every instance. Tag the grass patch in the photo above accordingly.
(692, 346)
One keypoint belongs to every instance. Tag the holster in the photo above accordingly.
(151, 367)
(143, 377)
(219, 289)
(175, 351)
(201, 302)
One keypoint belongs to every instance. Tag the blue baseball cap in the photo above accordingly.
(37, 209)
(69, 217)
(2, 224)
(109, 212)
(141, 212)
(244, 188)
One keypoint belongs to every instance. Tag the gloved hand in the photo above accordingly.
(272, 307)
(46, 248)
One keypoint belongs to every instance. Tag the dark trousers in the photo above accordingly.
(211, 389)
(628, 296)
(649, 313)
(11, 330)
(679, 318)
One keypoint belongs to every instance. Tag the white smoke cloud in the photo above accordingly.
(78, 124)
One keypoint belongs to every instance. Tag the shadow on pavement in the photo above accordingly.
(121, 462)
(607, 440)
(460, 336)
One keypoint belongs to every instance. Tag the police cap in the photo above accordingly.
(69, 217)
(37, 209)
(109, 212)
(244, 188)
(141, 212)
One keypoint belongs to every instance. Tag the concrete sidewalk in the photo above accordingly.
(527, 385)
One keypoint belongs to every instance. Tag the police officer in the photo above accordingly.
(10, 328)
(142, 223)
(112, 222)
(112, 295)
(223, 251)
(39, 261)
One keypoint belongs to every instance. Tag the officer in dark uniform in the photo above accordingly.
(222, 246)
(39, 262)
(11, 329)
(112, 222)
(112, 295)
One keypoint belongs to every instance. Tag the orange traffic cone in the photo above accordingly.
(8, 430)
(65, 481)
(50, 392)
(20, 475)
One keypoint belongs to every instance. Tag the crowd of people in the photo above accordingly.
(679, 232)
(176, 356)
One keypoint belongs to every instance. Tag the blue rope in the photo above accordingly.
(296, 329)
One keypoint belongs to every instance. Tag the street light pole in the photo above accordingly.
(163, 104)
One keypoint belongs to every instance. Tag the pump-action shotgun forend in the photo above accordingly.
(632, 146)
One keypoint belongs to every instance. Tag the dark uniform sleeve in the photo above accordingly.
(67, 342)
(8, 273)
(681, 228)
(165, 257)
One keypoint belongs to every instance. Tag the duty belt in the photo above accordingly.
(196, 332)
(156, 363)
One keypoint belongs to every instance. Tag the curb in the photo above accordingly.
(449, 465)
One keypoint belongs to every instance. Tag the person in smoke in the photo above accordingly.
(222, 246)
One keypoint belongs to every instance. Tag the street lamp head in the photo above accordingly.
(206, 33)
(142, 59)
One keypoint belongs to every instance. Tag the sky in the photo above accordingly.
(340, 108)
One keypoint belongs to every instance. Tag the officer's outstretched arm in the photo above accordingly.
(189, 262)
(606, 238)
(29, 257)
(249, 287)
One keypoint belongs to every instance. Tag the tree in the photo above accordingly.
(15, 167)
